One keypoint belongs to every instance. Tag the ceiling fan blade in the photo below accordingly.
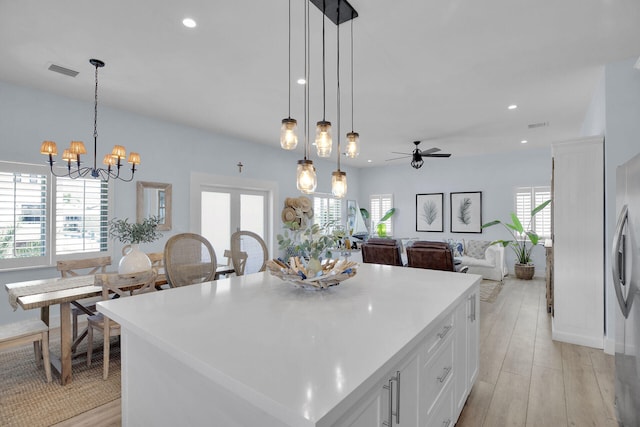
(398, 158)
(436, 155)
(429, 151)
(396, 152)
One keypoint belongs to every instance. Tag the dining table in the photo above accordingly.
(65, 291)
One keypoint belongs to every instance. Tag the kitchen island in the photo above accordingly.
(390, 343)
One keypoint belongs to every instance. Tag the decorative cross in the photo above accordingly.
(240, 165)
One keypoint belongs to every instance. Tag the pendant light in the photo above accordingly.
(338, 177)
(288, 137)
(71, 155)
(306, 180)
(353, 138)
(323, 127)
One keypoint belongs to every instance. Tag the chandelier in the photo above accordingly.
(339, 12)
(72, 154)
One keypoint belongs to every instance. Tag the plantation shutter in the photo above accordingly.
(23, 215)
(81, 215)
(527, 198)
(327, 210)
(380, 204)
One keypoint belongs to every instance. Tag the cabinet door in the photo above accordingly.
(369, 413)
(461, 382)
(473, 332)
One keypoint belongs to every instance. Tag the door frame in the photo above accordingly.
(202, 181)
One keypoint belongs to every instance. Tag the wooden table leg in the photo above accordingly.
(65, 343)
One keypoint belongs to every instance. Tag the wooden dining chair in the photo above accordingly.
(28, 331)
(189, 258)
(78, 267)
(248, 252)
(123, 285)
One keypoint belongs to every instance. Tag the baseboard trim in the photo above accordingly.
(587, 341)
(609, 345)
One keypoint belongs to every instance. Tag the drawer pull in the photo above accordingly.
(444, 332)
(446, 423)
(445, 374)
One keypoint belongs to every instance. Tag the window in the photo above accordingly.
(81, 215)
(527, 198)
(43, 217)
(327, 210)
(380, 204)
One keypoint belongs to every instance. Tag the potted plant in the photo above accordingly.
(381, 227)
(523, 242)
(132, 234)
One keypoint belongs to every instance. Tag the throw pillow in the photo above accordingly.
(476, 248)
(457, 248)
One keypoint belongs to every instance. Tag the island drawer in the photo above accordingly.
(440, 333)
(435, 376)
(442, 413)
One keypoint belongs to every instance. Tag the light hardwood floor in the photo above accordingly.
(525, 378)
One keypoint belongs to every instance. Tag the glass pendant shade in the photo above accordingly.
(352, 145)
(306, 177)
(339, 184)
(288, 137)
(323, 138)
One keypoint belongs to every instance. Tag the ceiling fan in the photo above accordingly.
(418, 154)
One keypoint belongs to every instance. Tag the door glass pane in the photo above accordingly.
(252, 213)
(216, 221)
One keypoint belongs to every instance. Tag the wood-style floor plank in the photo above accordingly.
(528, 379)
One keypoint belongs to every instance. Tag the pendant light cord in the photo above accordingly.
(95, 123)
(352, 75)
(289, 58)
(306, 76)
(324, 106)
(338, 80)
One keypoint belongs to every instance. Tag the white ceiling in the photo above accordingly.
(439, 71)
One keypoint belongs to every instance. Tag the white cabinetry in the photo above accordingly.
(431, 384)
(466, 349)
(578, 241)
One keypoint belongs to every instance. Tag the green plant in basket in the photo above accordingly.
(313, 242)
(521, 236)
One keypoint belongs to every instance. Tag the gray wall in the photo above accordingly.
(170, 152)
(496, 175)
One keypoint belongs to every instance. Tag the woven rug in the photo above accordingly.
(27, 400)
(489, 290)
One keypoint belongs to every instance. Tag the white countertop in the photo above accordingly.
(292, 352)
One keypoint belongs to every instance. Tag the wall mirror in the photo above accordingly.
(154, 199)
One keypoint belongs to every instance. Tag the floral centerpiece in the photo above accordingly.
(132, 234)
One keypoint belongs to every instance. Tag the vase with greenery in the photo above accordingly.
(132, 234)
(311, 243)
(523, 242)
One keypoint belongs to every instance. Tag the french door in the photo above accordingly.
(225, 210)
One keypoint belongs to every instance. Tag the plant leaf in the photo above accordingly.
(517, 225)
(365, 213)
(430, 211)
(464, 211)
(388, 214)
(533, 236)
(540, 207)
(490, 224)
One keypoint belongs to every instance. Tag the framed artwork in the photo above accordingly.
(429, 212)
(466, 212)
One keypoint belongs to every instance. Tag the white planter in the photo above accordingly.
(134, 260)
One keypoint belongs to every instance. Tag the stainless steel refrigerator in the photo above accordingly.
(626, 277)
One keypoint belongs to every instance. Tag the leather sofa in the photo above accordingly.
(381, 251)
(430, 255)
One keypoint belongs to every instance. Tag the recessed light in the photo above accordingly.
(301, 81)
(189, 23)
(369, 161)
(524, 141)
(512, 107)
